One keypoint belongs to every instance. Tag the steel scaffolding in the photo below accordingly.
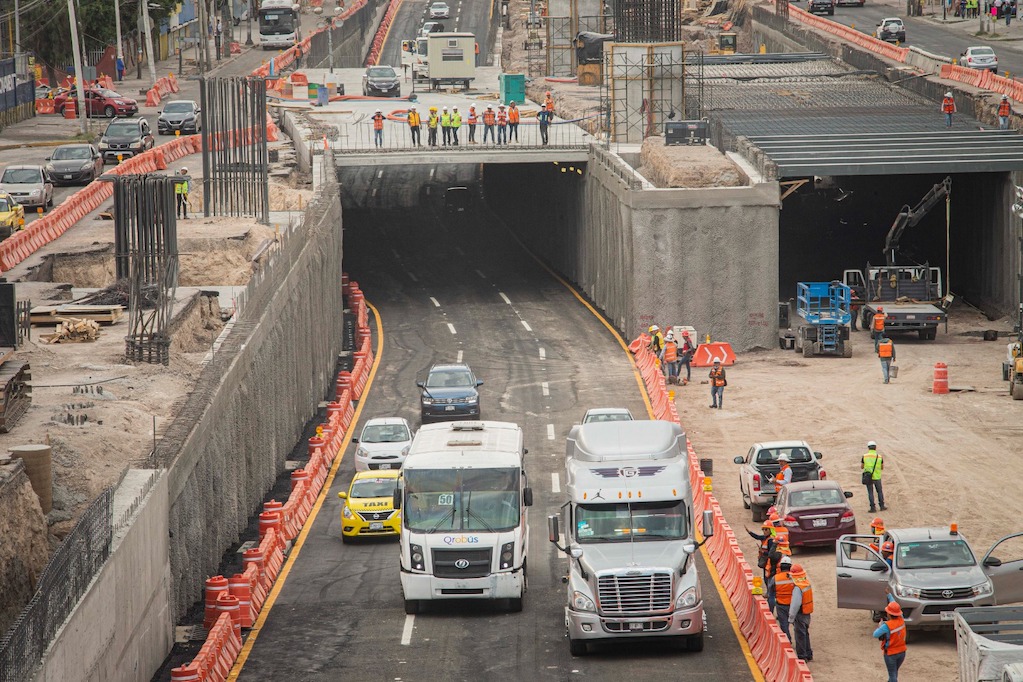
(643, 87)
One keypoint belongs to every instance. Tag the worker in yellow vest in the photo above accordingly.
(871, 470)
(456, 123)
(445, 126)
(415, 126)
(431, 127)
(181, 183)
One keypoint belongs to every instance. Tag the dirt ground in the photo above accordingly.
(687, 166)
(948, 458)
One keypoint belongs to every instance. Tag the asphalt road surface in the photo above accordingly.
(466, 17)
(449, 289)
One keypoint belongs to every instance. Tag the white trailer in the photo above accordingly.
(451, 59)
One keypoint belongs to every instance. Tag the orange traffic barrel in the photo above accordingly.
(229, 604)
(297, 476)
(215, 586)
(243, 592)
(268, 520)
(315, 442)
(940, 385)
(344, 382)
(190, 672)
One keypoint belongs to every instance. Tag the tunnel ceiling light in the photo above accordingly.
(563, 169)
(555, 163)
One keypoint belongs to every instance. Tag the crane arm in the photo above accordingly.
(908, 217)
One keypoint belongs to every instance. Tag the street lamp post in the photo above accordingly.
(329, 25)
(248, 25)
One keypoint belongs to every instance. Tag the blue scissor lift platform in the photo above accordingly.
(825, 313)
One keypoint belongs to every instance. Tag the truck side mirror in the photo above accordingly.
(527, 497)
(819, 455)
(879, 567)
(739, 460)
(552, 529)
(419, 384)
(355, 440)
(708, 524)
(396, 498)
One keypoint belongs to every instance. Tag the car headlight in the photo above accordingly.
(983, 589)
(86, 166)
(427, 401)
(137, 140)
(580, 602)
(687, 599)
(472, 400)
(360, 452)
(910, 592)
(103, 145)
(507, 554)
(346, 512)
(49, 167)
(404, 451)
(416, 555)
(35, 192)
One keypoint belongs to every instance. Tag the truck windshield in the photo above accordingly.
(797, 455)
(934, 554)
(624, 521)
(444, 500)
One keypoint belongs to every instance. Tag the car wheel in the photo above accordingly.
(759, 513)
(346, 540)
(109, 111)
(49, 202)
(411, 606)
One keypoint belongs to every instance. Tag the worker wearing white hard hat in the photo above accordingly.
(1004, 111)
(471, 121)
(181, 193)
(784, 476)
(948, 107)
(378, 128)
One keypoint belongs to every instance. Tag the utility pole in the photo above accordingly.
(17, 27)
(79, 75)
(117, 26)
(151, 56)
(248, 24)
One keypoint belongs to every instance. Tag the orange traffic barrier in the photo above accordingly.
(229, 604)
(940, 386)
(215, 586)
(707, 353)
(241, 590)
(190, 672)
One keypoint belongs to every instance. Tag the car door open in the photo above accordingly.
(1005, 568)
(861, 573)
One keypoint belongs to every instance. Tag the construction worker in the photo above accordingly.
(777, 563)
(477, 55)
(502, 125)
(872, 463)
(1004, 109)
(784, 476)
(892, 633)
(688, 351)
(445, 126)
(456, 123)
(765, 539)
(489, 118)
(378, 128)
(548, 102)
(544, 117)
(431, 127)
(415, 126)
(513, 121)
(472, 120)
(886, 353)
(717, 385)
(181, 193)
(888, 552)
(877, 530)
(877, 326)
(948, 107)
(671, 361)
(780, 534)
(783, 587)
(800, 609)
(656, 345)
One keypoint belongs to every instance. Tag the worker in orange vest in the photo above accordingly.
(502, 125)
(892, 634)
(670, 362)
(477, 55)
(877, 326)
(948, 107)
(877, 530)
(886, 352)
(800, 608)
(513, 121)
(415, 126)
(378, 128)
(548, 102)
(717, 385)
(783, 587)
(431, 127)
(1004, 109)
(783, 477)
(489, 118)
(472, 120)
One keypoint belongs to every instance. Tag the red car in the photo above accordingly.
(99, 102)
(815, 512)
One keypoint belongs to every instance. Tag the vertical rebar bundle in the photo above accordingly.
(648, 21)
(234, 154)
(644, 87)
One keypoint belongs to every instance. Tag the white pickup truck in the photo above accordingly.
(760, 465)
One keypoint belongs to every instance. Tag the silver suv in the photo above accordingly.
(932, 572)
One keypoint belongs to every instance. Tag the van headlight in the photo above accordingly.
(910, 592)
(983, 589)
(687, 599)
(580, 602)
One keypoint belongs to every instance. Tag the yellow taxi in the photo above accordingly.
(369, 510)
(12, 215)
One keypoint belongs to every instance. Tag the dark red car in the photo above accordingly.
(99, 102)
(815, 512)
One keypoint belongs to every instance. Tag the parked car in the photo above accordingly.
(607, 414)
(933, 572)
(760, 465)
(381, 81)
(383, 444)
(440, 10)
(891, 30)
(30, 186)
(127, 138)
(12, 216)
(98, 102)
(450, 392)
(179, 114)
(854, 3)
(71, 164)
(979, 57)
(821, 7)
(815, 512)
(368, 508)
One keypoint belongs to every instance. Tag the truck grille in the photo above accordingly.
(646, 593)
(957, 593)
(447, 562)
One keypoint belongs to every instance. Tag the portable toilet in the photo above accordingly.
(513, 87)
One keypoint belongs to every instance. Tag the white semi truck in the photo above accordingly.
(463, 495)
(630, 535)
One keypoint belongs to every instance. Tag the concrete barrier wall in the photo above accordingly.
(351, 40)
(123, 628)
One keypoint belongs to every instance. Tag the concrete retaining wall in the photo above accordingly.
(351, 40)
(123, 628)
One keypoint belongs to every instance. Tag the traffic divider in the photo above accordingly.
(887, 50)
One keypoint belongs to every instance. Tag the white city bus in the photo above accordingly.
(463, 495)
(278, 24)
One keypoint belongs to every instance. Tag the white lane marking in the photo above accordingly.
(395, 254)
(380, 174)
(435, 302)
(526, 325)
(432, 171)
(451, 328)
(406, 632)
(555, 483)
(412, 277)
(545, 387)
(482, 276)
(504, 298)
(374, 191)
(458, 358)
(543, 354)
(550, 432)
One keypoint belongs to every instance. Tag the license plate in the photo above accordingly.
(449, 408)
(910, 317)
(376, 525)
(67, 177)
(385, 466)
(635, 626)
(820, 523)
(948, 615)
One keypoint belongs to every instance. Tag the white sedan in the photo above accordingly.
(440, 10)
(383, 444)
(980, 57)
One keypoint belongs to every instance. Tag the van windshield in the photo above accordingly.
(621, 522)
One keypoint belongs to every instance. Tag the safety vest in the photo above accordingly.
(717, 376)
(670, 351)
(781, 539)
(885, 349)
(948, 105)
(778, 485)
(548, 103)
(456, 120)
(472, 120)
(181, 186)
(445, 120)
(1004, 109)
(513, 114)
(488, 117)
(502, 118)
(878, 322)
(378, 121)
(802, 583)
(432, 121)
(413, 119)
(896, 642)
(783, 587)
(874, 463)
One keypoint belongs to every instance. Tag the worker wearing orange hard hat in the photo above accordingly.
(877, 326)
(892, 633)
(800, 608)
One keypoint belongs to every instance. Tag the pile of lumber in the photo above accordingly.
(73, 331)
(51, 314)
(15, 393)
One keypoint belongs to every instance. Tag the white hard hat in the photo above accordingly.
(783, 457)
(871, 444)
(473, 105)
(948, 94)
(412, 108)
(654, 328)
(785, 560)
(1005, 97)
(445, 108)
(455, 108)
(490, 106)
(183, 170)
(378, 111)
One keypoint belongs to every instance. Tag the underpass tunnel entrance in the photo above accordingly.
(835, 223)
